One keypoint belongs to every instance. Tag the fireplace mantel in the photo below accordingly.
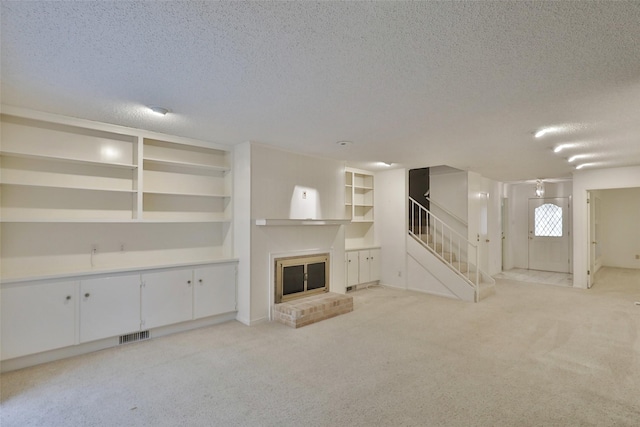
(292, 222)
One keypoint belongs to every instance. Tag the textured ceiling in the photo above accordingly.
(415, 83)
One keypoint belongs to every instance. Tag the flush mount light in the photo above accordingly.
(583, 165)
(387, 164)
(539, 188)
(577, 157)
(161, 111)
(344, 143)
(542, 132)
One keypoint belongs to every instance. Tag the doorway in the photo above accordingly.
(595, 245)
(549, 234)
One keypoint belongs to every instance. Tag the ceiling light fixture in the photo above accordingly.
(539, 188)
(542, 132)
(344, 143)
(161, 111)
(576, 157)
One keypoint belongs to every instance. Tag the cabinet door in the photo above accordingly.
(167, 297)
(109, 307)
(214, 290)
(374, 265)
(363, 267)
(38, 318)
(352, 268)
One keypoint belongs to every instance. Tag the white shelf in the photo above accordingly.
(297, 222)
(44, 185)
(175, 193)
(69, 185)
(103, 271)
(359, 205)
(186, 165)
(67, 160)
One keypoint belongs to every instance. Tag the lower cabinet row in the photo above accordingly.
(45, 316)
(362, 266)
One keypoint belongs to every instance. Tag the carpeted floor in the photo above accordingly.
(527, 356)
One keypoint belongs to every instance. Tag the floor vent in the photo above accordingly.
(136, 336)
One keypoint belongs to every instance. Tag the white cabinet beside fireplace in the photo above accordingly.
(214, 290)
(363, 266)
(176, 296)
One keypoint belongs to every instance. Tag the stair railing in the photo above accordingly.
(425, 225)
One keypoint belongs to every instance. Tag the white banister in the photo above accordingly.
(454, 249)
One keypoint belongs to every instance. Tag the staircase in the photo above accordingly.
(442, 261)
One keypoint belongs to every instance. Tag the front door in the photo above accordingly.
(549, 234)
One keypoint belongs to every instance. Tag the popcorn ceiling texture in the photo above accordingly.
(419, 83)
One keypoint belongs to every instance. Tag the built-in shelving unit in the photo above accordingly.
(359, 198)
(362, 264)
(108, 188)
(185, 182)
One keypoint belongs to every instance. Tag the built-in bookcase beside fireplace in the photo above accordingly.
(301, 276)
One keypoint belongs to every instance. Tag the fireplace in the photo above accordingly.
(301, 276)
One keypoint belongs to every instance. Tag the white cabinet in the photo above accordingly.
(363, 266)
(214, 290)
(109, 306)
(179, 295)
(353, 268)
(38, 317)
(369, 265)
(167, 297)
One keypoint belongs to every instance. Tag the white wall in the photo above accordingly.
(276, 179)
(449, 190)
(391, 216)
(518, 196)
(583, 181)
(619, 223)
(485, 219)
(242, 227)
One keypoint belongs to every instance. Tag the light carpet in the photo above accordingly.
(527, 356)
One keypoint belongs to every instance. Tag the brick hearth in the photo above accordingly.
(305, 311)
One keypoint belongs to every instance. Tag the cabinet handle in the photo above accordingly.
(68, 297)
(87, 295)
(200, 280)
(188, 282)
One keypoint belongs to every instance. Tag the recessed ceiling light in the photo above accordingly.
(542, 132)
(577, 157)
(161, 111)
(344, 143)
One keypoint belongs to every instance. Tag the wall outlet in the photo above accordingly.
(121, 247)
(304, 194)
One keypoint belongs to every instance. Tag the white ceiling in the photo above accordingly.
(415, 83)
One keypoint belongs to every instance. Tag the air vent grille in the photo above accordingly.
(136, 336)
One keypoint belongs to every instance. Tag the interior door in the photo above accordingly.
(549, 234)
(595, 256)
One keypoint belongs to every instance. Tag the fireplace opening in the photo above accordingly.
(301, 276)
